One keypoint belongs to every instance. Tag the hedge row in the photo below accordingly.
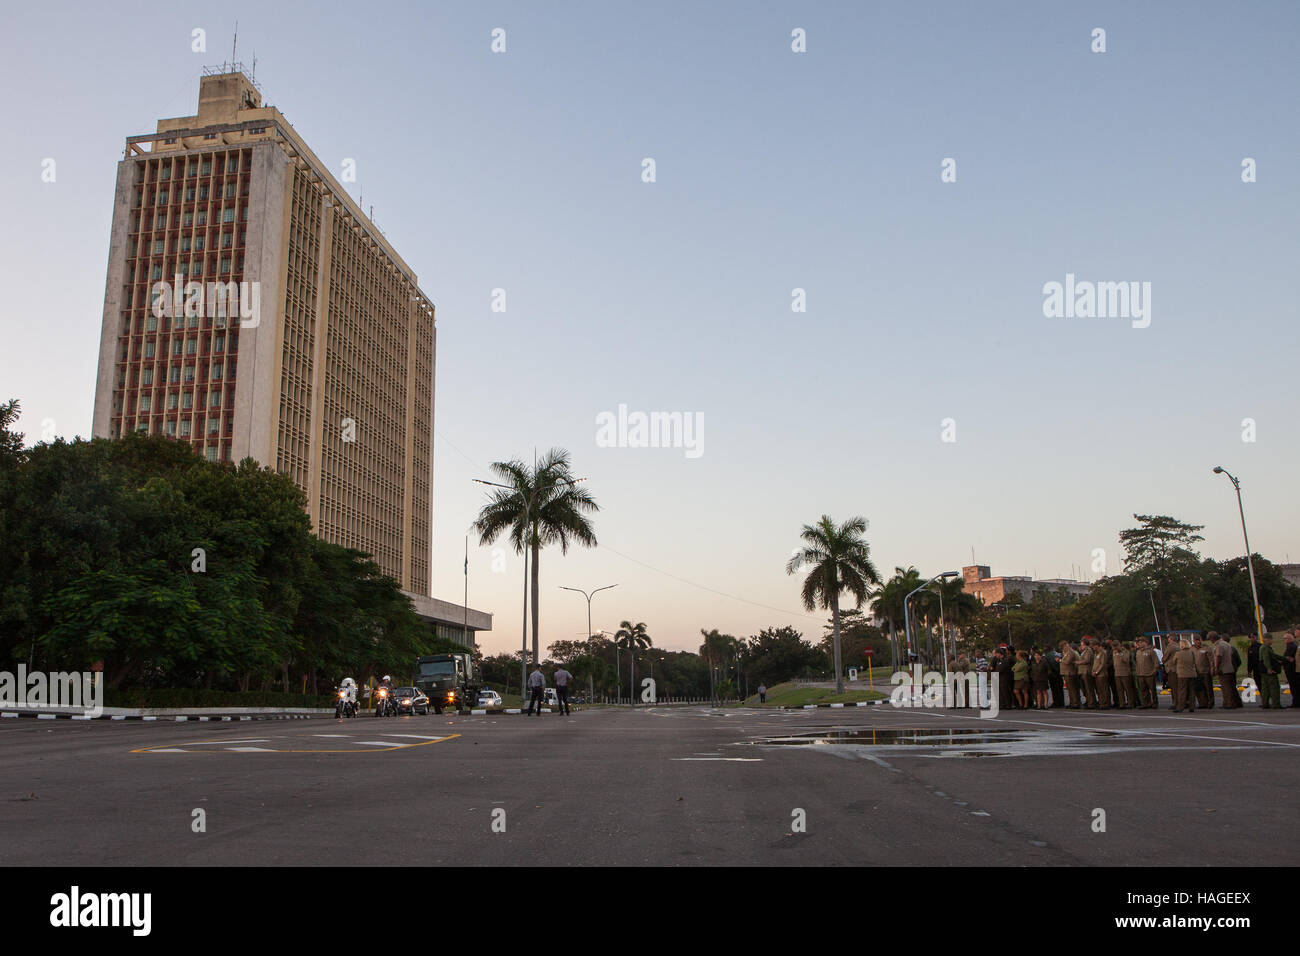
(188, 697)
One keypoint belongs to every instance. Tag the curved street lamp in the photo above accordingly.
(1250, 565)
(907, 619)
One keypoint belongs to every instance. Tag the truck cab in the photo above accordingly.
(448, 680)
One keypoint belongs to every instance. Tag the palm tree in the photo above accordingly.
(840, 561)
(959, 605)
(540, 506)
(889, 598)
(633, 637)
(714, 650)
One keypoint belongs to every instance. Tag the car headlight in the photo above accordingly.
(406, 700)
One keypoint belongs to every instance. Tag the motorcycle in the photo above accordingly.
(345, 706)
(386, 706)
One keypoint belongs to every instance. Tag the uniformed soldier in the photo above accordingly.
(1204, 674)
(1147, 664)
(1181, 666)
(1086, 655)
(1123, 670)
(1226, 670)
(1070, 673)
(1290, 651)
(961, 667)
(1270, 664)
(1101, 675)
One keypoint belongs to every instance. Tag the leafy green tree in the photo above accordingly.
(838, 560)
(778, 654)
(1159, 555)
(856, 635)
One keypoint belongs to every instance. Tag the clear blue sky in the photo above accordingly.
(775, 170)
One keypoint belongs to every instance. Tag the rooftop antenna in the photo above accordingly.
(253, 74)
(234, 45)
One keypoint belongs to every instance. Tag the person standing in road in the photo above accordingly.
(1020, 674)
(1055, 680)
(536, 689)
(1181, 666)
(1070, 674)
(1204, 674)
(1226, 665)
(562, 678)
(1111, 680)
(1123, 675)
(1007, 678)
(1252, 661)
(1101, 674)
(1040, 681)
(1147, 664)
(1289, 649)
(1086, 654)
(1270, 664)
(762, 693)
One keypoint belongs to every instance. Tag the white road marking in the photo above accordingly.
(331, 735)
(169, 750)
(375, 743)
(247, 750)
(726, 759)
(416, 736)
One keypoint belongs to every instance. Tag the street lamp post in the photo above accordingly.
(590, 689)
(1250, 565)
(907, 618)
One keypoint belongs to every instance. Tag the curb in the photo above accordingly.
(860, 703)
(172, 719)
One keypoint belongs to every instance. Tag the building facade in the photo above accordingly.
(252, 309)
(977, 580)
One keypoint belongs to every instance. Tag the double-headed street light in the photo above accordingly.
(589, 597)
(907, 618)
(1250, 565)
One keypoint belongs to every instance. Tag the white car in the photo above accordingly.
(490, 699)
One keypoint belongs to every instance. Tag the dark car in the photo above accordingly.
(409, 700)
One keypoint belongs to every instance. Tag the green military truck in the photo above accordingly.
(448, 680)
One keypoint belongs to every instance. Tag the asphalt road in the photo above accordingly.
(660, 786)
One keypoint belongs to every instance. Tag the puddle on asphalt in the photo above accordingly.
(927, 737)
(951, 741)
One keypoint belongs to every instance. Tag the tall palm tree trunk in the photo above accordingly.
(537, 552)
(835, 631)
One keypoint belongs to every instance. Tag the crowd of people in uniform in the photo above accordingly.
(1103, 673)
